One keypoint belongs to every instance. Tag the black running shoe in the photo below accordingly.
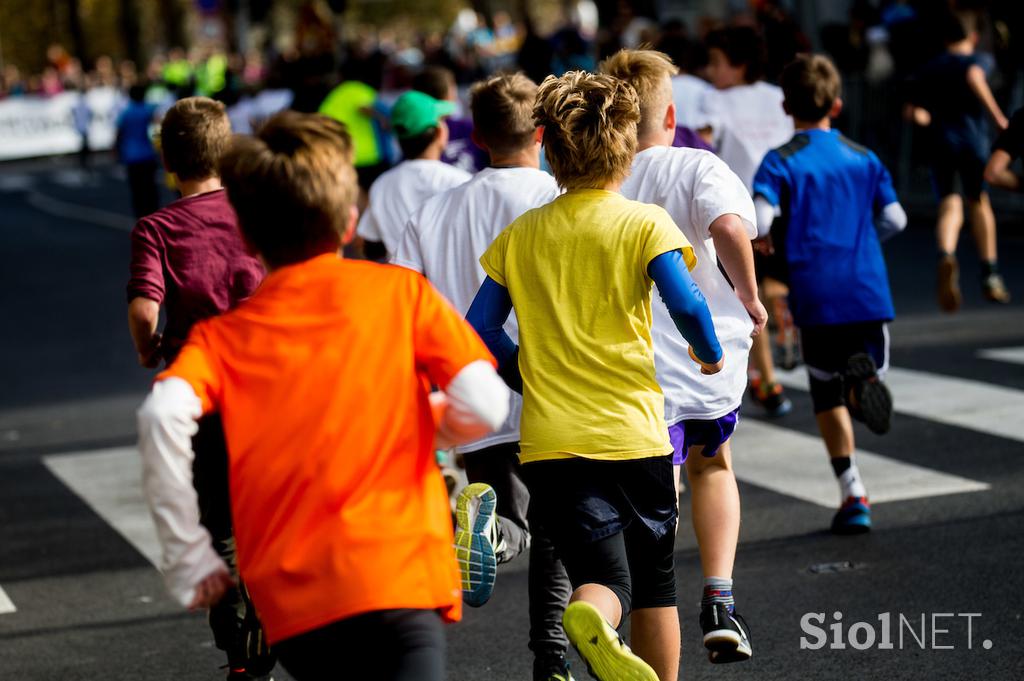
(726, 635)
(867, 397)
(552, 667)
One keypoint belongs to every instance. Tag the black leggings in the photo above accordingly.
(384, 645)
(639, 569)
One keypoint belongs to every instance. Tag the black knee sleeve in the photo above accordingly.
(653, 571)
(826, 395)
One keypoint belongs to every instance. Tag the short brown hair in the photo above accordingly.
(811, 85)
(292, 186)
(503, 112)
(589, 128)
(646, 71)
(194, 134)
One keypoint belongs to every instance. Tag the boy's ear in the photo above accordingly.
(670, 116)
(350, 226)
(539, 139)
(837, 107)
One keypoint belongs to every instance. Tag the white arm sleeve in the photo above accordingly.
(766, 214)
(891, 221)
(477, 404)
(167, 422)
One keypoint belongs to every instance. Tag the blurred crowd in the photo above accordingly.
(878, 47)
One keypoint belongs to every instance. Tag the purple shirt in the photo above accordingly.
(189, 257)
(461, 151)
(685, 137)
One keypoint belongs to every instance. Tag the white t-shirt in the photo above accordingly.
(400, 191)
(687, 94)
(747, 122)
(696, 188)
(445, 238)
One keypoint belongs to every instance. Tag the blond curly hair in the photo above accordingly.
(590, 124)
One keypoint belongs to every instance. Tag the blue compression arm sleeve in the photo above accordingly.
(686, 305)
(487, 314)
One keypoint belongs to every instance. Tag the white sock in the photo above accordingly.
(850, 484)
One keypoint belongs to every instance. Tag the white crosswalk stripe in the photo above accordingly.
(795, 464)
(6, 605)
(961, 402)
(110, 482)
(1011, 355)
(770, 456)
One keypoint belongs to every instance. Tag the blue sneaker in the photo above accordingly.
(853, 517)
(477, 542)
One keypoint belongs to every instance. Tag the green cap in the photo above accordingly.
(416, 112)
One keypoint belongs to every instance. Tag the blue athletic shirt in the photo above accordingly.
(829, 190)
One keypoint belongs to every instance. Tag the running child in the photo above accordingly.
(593, 439)
(189, 258)
(444, 240)
(342, 522)
(950, 98)
(417, 119)
(746, 120)
(709, 203)
(836, 204)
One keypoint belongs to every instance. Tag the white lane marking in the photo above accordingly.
(6, 604)
(795, 464)
(1011, 355)
(74, 211)
(961, 402)
(110, 482)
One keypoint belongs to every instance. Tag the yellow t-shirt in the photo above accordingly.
(576, 270)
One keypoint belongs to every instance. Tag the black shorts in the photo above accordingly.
(966, 164)
(389, 645)
(612, 523)
(827, 350)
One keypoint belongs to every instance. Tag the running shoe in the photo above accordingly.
(948, 286)
(477, 542)
(607, 656)
(853, 517)
(551, 668)
(243, 675)
(867, 396)
(726, 635)
(994, 289)
(771, 397)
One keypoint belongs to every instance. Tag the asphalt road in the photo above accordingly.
(79, 599)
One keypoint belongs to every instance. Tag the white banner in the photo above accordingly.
(41, 126)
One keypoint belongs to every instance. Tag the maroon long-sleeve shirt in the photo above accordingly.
(189, 257)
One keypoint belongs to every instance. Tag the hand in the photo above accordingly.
(758, 315)
(922, 117)
(705, 368)
(150, 358)
(764, 246)
(211, 589)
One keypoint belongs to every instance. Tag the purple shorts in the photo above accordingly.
(709, 434)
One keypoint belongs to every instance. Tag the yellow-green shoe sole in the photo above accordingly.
(607, 657)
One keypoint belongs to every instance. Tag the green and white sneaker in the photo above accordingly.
(608, 658)
(477, 542)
